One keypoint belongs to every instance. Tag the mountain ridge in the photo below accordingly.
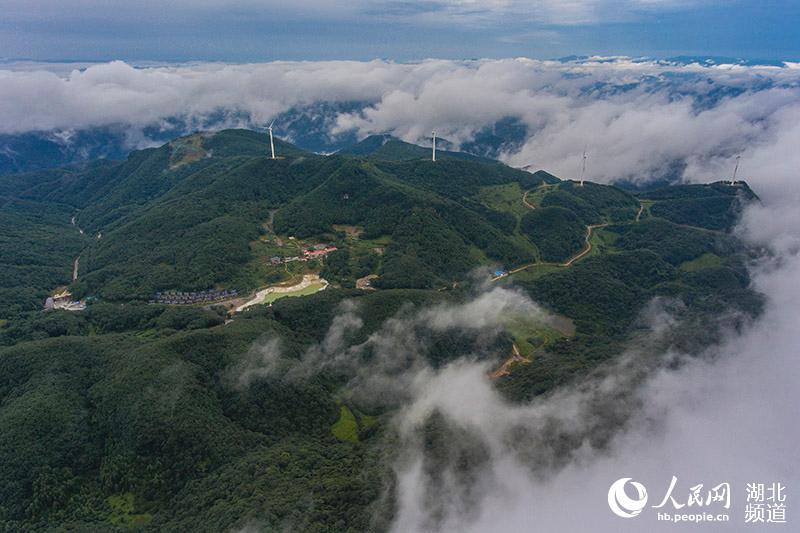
(216, 190)
(151, 410)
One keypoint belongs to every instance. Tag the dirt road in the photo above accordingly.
(505, 368)
(586, 249)
(271, 220)
(525, 200)
(587, 246)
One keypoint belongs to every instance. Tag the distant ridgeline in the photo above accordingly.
(129, 414)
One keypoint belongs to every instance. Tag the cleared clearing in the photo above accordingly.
(503, 198)
(346, 428)
(707, 260)
(310, 284)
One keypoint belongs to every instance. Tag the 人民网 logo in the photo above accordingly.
(621, 504)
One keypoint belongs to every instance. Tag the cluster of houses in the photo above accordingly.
(185, 298)
(318, 251)
(63, 300)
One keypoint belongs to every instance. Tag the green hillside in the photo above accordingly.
(388, 148)
(380, 198)
(37, 249)
(185, 216)
(713, 206)
(557, 232)
(139, 416)
(206, 211)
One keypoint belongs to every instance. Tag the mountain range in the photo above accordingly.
(136, 414)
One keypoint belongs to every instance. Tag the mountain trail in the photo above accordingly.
(505, 368)
(586, 249)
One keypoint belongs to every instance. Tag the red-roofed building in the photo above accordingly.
(316, 254)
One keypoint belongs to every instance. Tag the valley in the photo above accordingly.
(250, 323)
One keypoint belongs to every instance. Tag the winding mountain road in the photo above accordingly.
(639, 212)
(587, 247)
(525, 200)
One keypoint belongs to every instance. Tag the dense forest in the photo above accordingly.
(133, 415)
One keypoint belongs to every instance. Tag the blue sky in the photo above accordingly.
(251, 30)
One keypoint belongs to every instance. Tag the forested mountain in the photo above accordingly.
(183, 216)
(40, 150)
(135, 414)
(388, 148)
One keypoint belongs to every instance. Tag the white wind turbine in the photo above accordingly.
(271, 143)
(433, 158)
(583, 167)
(735, 170)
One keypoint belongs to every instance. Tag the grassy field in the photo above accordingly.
(122, 512)
(536, 195)
(370, 244)
(602, 242)
(311, 289)
(346, 428)
(531, 334)
(353, 232)
(646, 211)
(186, 150)
(477, 255)
(272, 245)
(259, 271)
(506, 197)
(535, 272)
(366, 421)
(706, 260)
(524, 242)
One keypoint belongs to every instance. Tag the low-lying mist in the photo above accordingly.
(465, 458)
(725, 415)
(640, 120)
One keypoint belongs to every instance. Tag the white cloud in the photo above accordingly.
(727, 416)
(383, 365)
(639, 119)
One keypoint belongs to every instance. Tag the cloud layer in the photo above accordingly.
(639, 120)
(724, 417)
(384, 365)
(727, 416)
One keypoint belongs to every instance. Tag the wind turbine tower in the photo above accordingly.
(433, 157)
(271, 143)
(735, 170)
(583, 167)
